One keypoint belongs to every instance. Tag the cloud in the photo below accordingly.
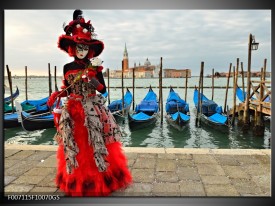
(183, 38)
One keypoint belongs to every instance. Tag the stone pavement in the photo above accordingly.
(188, 172)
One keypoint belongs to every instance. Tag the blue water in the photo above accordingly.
(158, 135)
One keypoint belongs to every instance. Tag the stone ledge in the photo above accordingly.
(155, 150)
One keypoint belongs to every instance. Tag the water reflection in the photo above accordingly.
(159, 135)
(19, 136)
(179, 139)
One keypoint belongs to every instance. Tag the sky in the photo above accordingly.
(183, 38)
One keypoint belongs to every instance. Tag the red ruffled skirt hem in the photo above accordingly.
(86, 180)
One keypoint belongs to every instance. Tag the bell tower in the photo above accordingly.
(125, 60)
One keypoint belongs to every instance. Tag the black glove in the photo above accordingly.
(96, 84)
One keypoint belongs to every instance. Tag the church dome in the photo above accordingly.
(147, 63)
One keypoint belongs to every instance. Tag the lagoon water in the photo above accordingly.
(159, 135)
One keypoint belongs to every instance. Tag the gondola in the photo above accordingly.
(146, 112)
(29, 106)
(116, 106)
(34, 121)
(211, 113)
(177, 111)
(31, 122)
(8, 100)
(11, 120)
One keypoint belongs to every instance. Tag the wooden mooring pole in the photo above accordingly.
(108, 77)
(199, 95)
(246, 108)
(55, 81)
(186, 82)
(212, 84)
(226, 91)
(258, 128)
(50, 79)
(242, 78)
(236, 73)
(264, 70)
(160, 88)
(201, 86)
(134, 86)
(10, 84)
(259, 121)
(234, 96)
(26, 82)
(122, 88)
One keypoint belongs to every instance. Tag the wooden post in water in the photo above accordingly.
(10, 84)
(55, 82)
(226, 91)
(202, 76)
(26, 82)
(264, 72)
(160, 88)
(242, 78)
(202, 83)
(134, 86)
(186, 82)
(199, 94)
(108, 77)
(122, 88)
(50, 80)
(236, 73)
(212, 83)
(246, 109)
(259, 123)
(234, 95)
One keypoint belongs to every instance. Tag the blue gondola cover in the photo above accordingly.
(11, 116)
(209, 107)
(141, 116)
(174, 103)
(147, 106)
(218, 118)
(117, 104)
(149, 103)
(183, 116)
(40, 105)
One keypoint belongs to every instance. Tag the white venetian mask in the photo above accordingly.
(82, 51)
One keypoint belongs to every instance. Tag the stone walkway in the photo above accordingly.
(156, 171)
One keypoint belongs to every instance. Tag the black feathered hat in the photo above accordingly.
(80, 32)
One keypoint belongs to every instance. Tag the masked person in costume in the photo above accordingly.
(89, 156)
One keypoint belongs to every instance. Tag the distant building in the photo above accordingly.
(147, 70)
(253, 74)
(177, 73)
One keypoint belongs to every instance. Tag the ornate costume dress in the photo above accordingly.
(90, 158)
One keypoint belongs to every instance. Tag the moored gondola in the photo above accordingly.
(31, 122)
(11, 120)
(8, 99)
(30, 106)
(146, 112)
(116, 106)
(177, 111)
(210, 113)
